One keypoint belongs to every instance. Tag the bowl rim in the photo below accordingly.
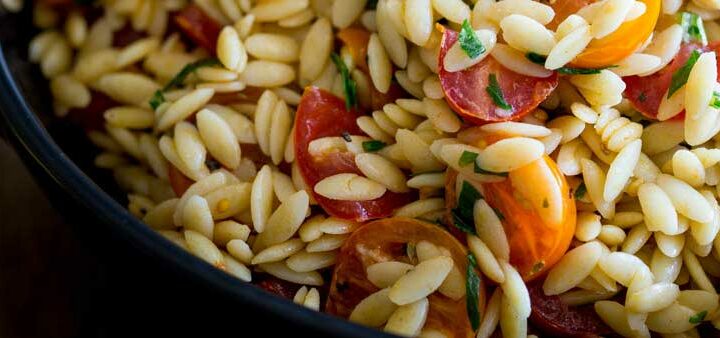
(33, 138)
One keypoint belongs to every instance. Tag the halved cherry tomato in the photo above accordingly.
(356, 40)
(91, 117)
(553, 317)
(126, 35)
(321, 114)
(646, 92)
(622, 42)
(198, 26)
(466, 93)
(178, 181)
(538, 213)
(385, 240)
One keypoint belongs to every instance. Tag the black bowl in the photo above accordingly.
(155, 286)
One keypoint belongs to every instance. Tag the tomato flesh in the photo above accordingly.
(384, 240)
(553, 317)
(321, 114)
(465, 91)
(198, 26)
(646, 92)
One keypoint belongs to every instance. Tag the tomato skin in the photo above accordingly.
(622, 42)
(198, 26)
(322, 114)
(646, 92)
(91, 117)
(555, 318)
(465, 91)
(383, 240)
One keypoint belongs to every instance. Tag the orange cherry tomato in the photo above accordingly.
(622, 42)
(356, 40)
(537, 209)
(385, 240)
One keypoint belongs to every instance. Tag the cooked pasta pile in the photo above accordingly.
(432, 168)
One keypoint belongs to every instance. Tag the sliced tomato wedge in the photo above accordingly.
(536, 209)
(465, 91)
(322, 114)
(622, 42)
(385, 240)
(555, 318)
(91, 117)
(646, 92)
(198, 26)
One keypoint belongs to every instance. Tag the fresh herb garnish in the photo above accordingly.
(693, 29)
(472, 288)
(467, 157)
(680, 77)
(493, 89)
(346, 136)
(540, 60)
(177, 81)
(580, 191)
(472, 260)
(698, 317)
(715, 100)
(642, 97)
(463, 213)
(349, 85)
(538, 266)
(536, 58)
(373, 146)
(469, 41)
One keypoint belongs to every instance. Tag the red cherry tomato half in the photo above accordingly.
(91, 117)
(385, 240)
(465, 91)
(555, 318)
(321, 114)
(198, 26)
(646, 92)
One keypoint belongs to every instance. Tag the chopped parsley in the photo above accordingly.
(373, 146)
(693, 29)
(472, 289)
(540, 60)
(469, 42)
(680, 77)
(349, 85)
(715, 101)
(482, 171)
(463, 213)
(467, 157)
(493, 89)
(698, 317)
(536, 58)
(538, 266)
(177, 81)
(580, 191)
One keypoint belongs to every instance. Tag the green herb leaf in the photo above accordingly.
(715, 101)
(467, 157)
(580, 191)
(493, 89)
(693, 28)
(581, 71)
(463, 213)
(469, 42)
(698, 317)
(472, 289)
(373, 146)
(680, 77)
(482, 171)
(538, 266)
(536, 58)
(177, 81)
(349, 85)
(472, 260)
(346, 136)
(157, 99)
